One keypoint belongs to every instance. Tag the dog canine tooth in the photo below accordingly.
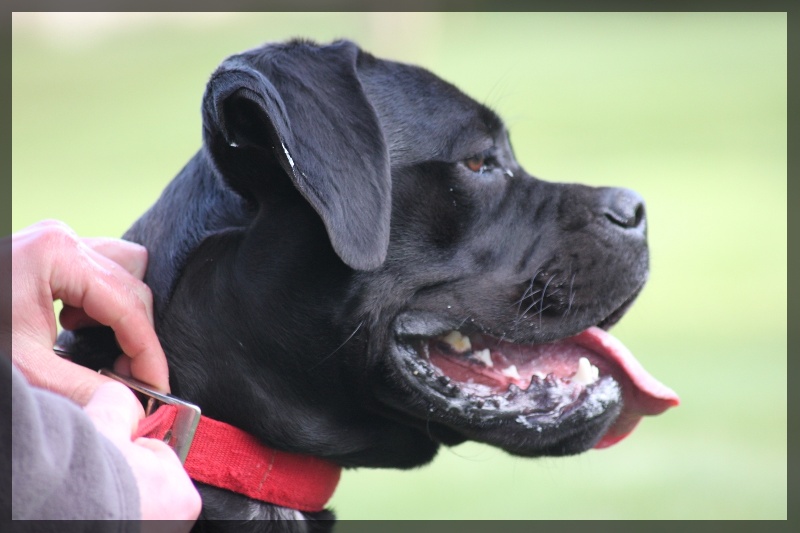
(586, 374)
(511, 372)
(458, 342)
(484, 356)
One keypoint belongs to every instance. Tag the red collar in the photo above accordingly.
(226, 457)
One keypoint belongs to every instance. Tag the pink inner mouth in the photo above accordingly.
(495, 365)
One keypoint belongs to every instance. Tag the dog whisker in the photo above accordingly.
(533, 304)
(313, 367)
(528, 293)
(464, 321)
(541, 301)
(571, 295)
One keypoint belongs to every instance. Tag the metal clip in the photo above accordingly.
(180, 436)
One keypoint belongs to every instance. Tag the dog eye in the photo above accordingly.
(476, 163)
(481, 163)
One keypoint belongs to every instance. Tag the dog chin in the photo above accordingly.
(555, 398)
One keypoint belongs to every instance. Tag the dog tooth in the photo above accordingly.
(511, 372)
(484, 356)
(587, 373)
(458, 342)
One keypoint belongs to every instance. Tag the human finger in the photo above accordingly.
(130, 255)
(124, 304)
(115, 411)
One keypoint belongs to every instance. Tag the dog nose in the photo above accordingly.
(624, 208)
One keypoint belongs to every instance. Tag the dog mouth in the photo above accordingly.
(587, 387)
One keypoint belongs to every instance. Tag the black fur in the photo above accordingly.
(329, 215)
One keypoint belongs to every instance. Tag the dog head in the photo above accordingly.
(356, 266)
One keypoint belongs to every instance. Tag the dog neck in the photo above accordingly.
(226, 457)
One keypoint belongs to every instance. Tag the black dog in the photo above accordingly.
(354, 267)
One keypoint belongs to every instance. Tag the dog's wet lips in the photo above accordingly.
(555, 376)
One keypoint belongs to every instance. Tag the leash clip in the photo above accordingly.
(181, 433)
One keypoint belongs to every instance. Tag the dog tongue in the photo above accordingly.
(642, 393)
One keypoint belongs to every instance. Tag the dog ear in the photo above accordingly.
(302, 110)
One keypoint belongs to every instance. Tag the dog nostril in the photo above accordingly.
(627, 221)
(625, 208)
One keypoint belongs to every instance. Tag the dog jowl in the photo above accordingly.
(355, 267)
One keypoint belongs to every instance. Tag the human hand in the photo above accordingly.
(165, 491)
(99, 282)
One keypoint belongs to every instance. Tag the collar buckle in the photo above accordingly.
(180, 435)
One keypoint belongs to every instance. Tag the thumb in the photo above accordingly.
(115, 411)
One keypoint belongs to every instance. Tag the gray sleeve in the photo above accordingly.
(62, 468)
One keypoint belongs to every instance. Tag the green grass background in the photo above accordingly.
(688, 109)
